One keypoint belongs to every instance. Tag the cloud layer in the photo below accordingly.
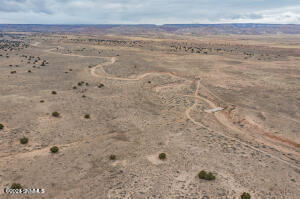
(149, 11)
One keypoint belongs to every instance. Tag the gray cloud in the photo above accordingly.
(149, 11)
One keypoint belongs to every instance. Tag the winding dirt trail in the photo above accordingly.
(112, 60)
(171, 85)
(219, 116)
(222, 119)
(46, 150)
(187, 112)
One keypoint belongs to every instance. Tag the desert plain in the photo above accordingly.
(227, 104)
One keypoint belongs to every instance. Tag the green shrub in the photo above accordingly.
(162, 156)
(24, 140)
(100, 85)
(16, 186)
(206, 175)
(112, 157)
(1, 126)
(202, 174)
(55, 114)
(54, 149)
(42, 101)
(210, 176)
(245, 196)
(83, 96)
(54, 92)
(74, 87)
(87, 116)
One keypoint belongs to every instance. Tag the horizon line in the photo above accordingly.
(133, 24)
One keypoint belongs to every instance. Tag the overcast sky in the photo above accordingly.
(148, 11)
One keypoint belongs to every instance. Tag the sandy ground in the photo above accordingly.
(146, 96)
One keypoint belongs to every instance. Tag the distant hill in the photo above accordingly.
(196, 29)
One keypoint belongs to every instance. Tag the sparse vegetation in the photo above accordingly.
(54, 149)
(24, 140)
(55, 114)
(112, 157)
(162, 156)
(245, 196)
(16, 186)
(206, 175)
(125, 109)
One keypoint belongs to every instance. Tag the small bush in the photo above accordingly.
(42, 101)
(210, 176)
(24, 140)
(1, 126)
(206, 175)
(112, 157)
(245, 196)
(55, 114)
(162, 156)
(100, 85)
(87, 116)
(202, 174)
(29, 71)
(83, 96)
(54, 149)
(16, 186)
(54, 92)
(74, 87)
